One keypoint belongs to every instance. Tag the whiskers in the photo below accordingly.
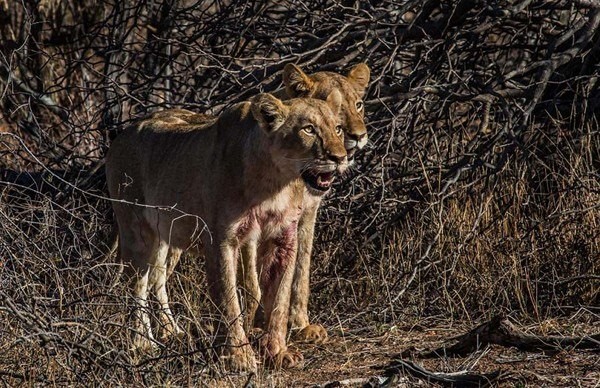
(308, 165)
(316, 165)
(297, 159)
(369, 144)
(302, 164)
(351, 168)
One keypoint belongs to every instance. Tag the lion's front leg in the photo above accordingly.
(276, 259)
(221, 261)
(299, 322)
(250, 283)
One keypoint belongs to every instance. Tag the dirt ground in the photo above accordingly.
(356, 352)
(352, 356)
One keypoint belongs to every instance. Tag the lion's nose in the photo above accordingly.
(358, 138)
(336, 156)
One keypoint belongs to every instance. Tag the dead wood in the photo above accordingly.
(500, 331)
(365, 382)
(401, 373)
(456, 379)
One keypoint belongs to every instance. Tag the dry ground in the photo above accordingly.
(74, 332)
(351, 355)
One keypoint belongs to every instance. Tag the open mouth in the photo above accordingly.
(318, 182)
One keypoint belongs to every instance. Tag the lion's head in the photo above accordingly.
(305, 136)
(351, 87)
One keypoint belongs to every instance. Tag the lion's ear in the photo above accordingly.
(359, 76)
(269, 112)
(334, 100)
(297, 83)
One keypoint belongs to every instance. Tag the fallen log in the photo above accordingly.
(364, 382)
(396, 372)
(500, 331)
(456, 379)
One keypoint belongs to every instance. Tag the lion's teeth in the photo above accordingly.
(323, 182)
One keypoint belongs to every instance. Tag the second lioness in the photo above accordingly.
(318, 85)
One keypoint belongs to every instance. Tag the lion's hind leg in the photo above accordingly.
(138, 249)
(159, 274)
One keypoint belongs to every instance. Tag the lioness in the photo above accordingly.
(234, 180)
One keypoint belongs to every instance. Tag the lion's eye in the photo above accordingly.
(359, 105)
(339, 130)
(309, 130)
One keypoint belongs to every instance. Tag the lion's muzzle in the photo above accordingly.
(319, 178)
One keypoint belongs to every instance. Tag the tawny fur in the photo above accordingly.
(220, 184)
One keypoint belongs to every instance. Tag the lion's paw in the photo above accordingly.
(143, 347)
(171, 333)
(239, 359)
(286, 359)
(311, 334)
